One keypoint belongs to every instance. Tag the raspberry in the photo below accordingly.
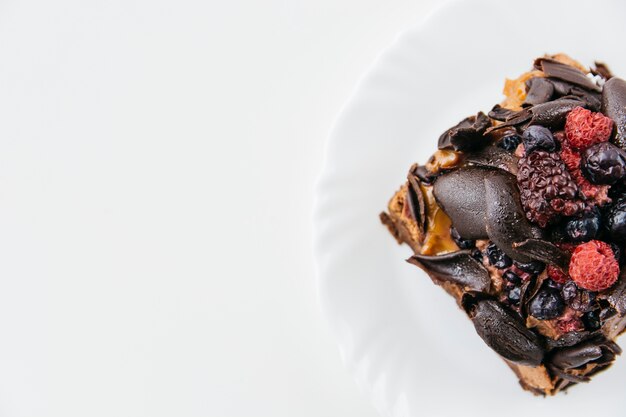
(584, 128)
(556, 275)
(569, 324)
(547, 190)
(595, 193)
(593, 266)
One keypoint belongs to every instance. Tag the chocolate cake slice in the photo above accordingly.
(520, 215)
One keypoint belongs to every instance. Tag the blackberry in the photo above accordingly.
(514, 295)
(604, 163)
(547, 190)
(547, 304)
(615, 221)
(532, 267)
(512, 277)
(510, 142)
(498, 258)
(461, 243)
(583, 228)
(538, 137)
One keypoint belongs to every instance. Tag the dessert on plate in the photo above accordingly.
(520, 215)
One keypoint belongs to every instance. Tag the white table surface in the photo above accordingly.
(157, 164)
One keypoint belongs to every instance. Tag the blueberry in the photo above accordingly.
(591, 320)
(532, 267)
(604, 163)
(538, 137)
(547, 304)
(583, 228)
(512, 277)
(498, 258)
(514, 295)
(569, 291)
(461, 243)
(615, 221)
(510, 142)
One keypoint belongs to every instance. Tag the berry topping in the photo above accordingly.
(512, 277)
(461, 243)
(547, 304)
(583, 228)
(510, 142)
(553, 284)
(604, 163)
(615, 221)
(593, 266)
(572, 160)
(569, 291)
(584, 301)
(514, 295)
(498, 258)
(538, 137)
(556, 275)
(547, 190)
(584, 128)
(570, 324)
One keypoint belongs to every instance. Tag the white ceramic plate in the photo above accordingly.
(408, 346)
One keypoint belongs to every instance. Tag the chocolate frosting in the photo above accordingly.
(461, 194)
(503, 331)
(415, 200)
(539, 91)
(576, 356)
(493, 157)
(500, 113)
(614, 106)
(570, 339)
(456, 267)
(556, 69)
(551, 114)
(506, 222)
(544, 251)
(564, 89)
(467, 134)
(485, 203)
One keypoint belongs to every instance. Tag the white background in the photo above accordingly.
(157, 165)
